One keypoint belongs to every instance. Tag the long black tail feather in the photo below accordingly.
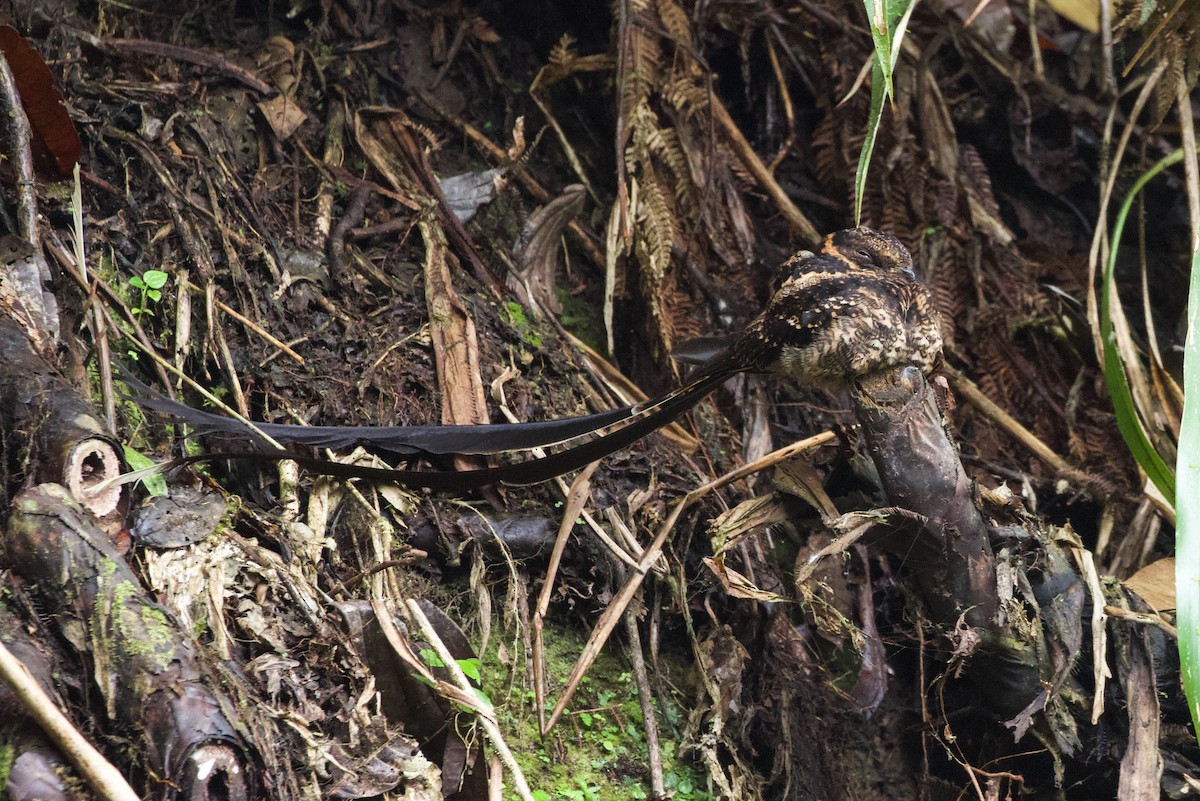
(632, 423)
(393, 440)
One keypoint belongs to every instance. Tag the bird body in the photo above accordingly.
(850, 310)
(853, 309)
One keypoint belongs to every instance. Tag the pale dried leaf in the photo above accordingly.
(750, 515)
(466, 192)
(1156, 584)
(283, 115)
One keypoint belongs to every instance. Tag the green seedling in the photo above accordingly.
(150, 284)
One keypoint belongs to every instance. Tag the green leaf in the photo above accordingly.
(155, 279)
(878, 95)
(431, 658)
(889, 20)
(1128, 421)
(471, 668)
(485, 700)
(1187, 509)
(156, 485)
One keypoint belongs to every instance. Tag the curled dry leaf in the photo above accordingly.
(736, 584)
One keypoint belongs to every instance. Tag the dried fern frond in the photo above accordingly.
(563, 53)
(564, 61)
(642, 67)
(658, 230)
(653, 243)
(1169, 32)
(686, 95)
(675, 22)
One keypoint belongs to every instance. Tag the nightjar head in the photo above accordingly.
(866, 248)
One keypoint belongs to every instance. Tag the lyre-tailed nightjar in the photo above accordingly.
(853, 308)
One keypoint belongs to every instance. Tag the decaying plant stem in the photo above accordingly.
(956, 557)
(950, 555)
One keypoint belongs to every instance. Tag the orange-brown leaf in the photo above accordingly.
(56, 143)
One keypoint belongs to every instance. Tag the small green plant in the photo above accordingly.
(470, 668)
(156, 485)
(150, 284)
(583, 791)
(606, 736)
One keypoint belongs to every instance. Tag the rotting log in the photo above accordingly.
(946, 550)
(146, 671)
(949, 554)
(50, 433)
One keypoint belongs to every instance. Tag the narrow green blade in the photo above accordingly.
(1128, 421)
(889, 20)
(878, 95)
(1187, 507)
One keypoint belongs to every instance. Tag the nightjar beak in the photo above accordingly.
(911, 273)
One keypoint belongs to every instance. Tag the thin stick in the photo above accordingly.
(253, 326)
(1100, 668)
(620, 601)
(105, 779)
(1191, 169)
(587, 516)
(658, 787)
(1100, 236)
(188, 55)
(99, 330)
(383, 616)
(1006, 421)
(1142, 618)
(586, 239)
(211, 398)
(469, 698)
(94, 288)
(754, 164)
(20, 154)
(576, 497)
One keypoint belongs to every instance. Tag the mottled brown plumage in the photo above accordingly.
(852, 309)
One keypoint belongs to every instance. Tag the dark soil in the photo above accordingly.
(985, 168)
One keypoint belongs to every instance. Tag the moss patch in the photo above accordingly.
(597, 751)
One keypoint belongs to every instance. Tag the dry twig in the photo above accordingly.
(105, 779)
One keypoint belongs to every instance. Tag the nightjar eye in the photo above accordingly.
(865, 255)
